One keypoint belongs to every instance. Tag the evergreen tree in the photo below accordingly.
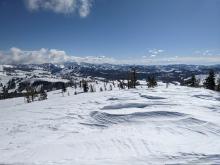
(133, 78)
(129, 82)
(151, 82)
(85, 86)
(80, 84)
(121, 84)
(11, 84)
(210, 81)
(63, 88)
(192, 82)
(5, 92)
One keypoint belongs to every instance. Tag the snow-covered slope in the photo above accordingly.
(130, 127)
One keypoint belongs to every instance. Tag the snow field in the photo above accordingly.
(133, 127)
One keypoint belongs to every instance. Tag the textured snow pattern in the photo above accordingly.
(131, 127)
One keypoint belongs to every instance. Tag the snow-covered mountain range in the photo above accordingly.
(107, 70)
(15, 77)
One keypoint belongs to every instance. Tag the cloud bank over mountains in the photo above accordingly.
(83, 7)
(18, 56)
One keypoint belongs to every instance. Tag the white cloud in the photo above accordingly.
(18, 56)
(84, 9)
(61, 6)
(156, 51)
(207, 52)
(58, 6)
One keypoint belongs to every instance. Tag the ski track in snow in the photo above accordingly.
(132, 127)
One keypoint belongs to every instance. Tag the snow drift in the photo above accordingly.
(132, 127)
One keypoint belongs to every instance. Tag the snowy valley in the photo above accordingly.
(15, 78)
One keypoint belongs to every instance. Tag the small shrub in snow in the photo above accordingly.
(92, 88)
(192, 82)
(42, 95)
(110, 87)
(151, 81)
(31, 94)
(105, 86)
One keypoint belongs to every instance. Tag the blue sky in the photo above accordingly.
(121, 29)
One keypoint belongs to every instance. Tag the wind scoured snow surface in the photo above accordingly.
(130, 127)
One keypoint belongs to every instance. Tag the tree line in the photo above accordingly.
(209, 82)
(38, 91)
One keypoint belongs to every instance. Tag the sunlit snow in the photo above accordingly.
(131, 127)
